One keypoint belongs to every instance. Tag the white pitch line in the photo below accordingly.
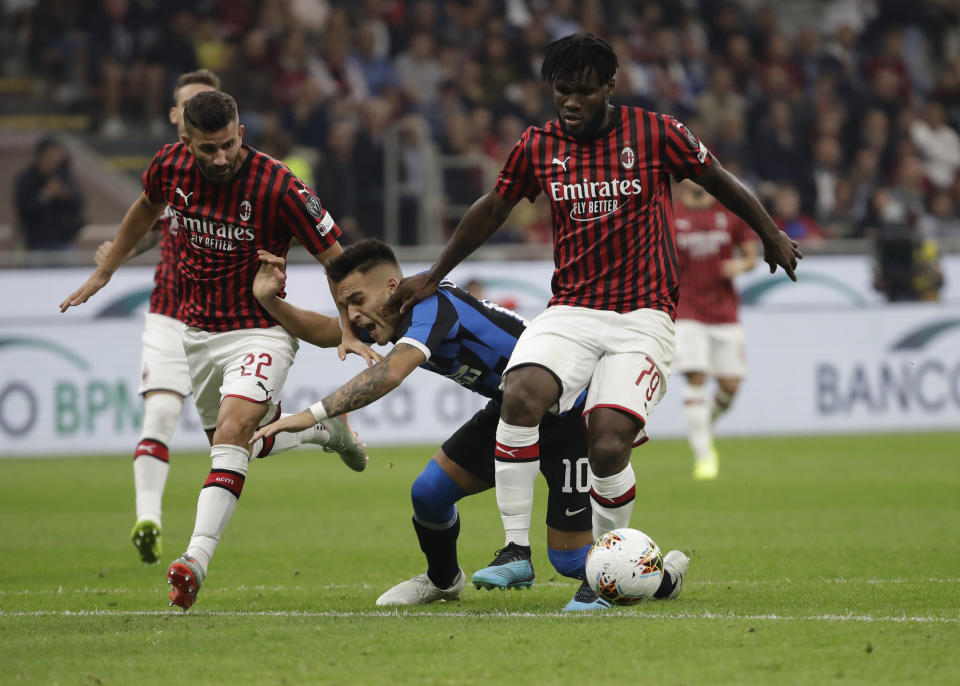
(397, 614)
(86, 590)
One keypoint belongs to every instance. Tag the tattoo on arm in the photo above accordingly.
(148, 241)
(369, 385)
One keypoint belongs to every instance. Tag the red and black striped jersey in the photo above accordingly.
(705, 240)
(221, 227)
(163, 298)
(613, 243)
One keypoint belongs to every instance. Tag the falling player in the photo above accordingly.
(709, 337)
(467, 340)
(609, 326)
(164, 375)
(229, 200)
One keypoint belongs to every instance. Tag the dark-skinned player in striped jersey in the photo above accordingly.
(469, 341)
(609, 327)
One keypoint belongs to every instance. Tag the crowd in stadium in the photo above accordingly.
(845, 124)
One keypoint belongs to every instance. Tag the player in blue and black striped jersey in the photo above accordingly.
(468, 341)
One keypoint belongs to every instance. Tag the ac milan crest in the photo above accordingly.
(627, 157)
(246, 209)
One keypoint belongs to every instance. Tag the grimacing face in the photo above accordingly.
(217, 153)
(583, 103)
(183, 94)
(363, 295)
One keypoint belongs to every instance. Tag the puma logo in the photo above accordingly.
(186, 197)
(512, 452)
(562, 163)
(260, 384)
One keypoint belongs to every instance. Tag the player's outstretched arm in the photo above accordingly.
(369, 385)
(306, 325)
(142, 215)
(147, 242)
(779, 250)
(480, 222)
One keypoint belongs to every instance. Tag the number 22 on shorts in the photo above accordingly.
(653, 378)
(249, 359)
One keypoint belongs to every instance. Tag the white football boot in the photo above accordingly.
(676, 563)
(420, 591)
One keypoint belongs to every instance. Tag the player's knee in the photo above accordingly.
(729, 385)
(434, 495)
(610, 453)
(234, 430)
(528, 392)
(522, 408)
(161, 411)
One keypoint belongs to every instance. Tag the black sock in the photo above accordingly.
(440, 547)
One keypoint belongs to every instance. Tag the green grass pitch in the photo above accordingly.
(814, 560)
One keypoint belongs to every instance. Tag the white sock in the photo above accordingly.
(517, 461)
(217, 501)
(612, 498)
(286, 440)
(696, 410)
(720, 404)
(151, 460)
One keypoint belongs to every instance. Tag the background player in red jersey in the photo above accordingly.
(609, 325)
(164, 373)
(713, 247)
(229, 201)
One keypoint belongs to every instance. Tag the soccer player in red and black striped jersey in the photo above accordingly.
(229, 201)
(609, 326)
(164, 372)
(713, 247)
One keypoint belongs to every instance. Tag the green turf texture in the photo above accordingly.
(814, 560)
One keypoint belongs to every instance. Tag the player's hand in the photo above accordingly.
(294, 422)
(782, 251)
(410, 291)
(350, 343)
(102, 251)
(96, 281)
(270, 277)
(732, 268)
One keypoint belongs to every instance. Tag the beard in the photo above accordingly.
(591, 127)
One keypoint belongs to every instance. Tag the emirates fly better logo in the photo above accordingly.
(593, 200)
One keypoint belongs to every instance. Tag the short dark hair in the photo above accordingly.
(567, 58)
(362, 256)
(204, 76)
(209, 111)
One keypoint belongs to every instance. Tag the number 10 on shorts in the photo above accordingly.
(652, 377)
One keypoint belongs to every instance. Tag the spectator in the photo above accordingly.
(938, 145)
(719, 103)
(125, 60)
(905, 267)
(786, 213)
(941, 220)
(419, 70)
(48, 198)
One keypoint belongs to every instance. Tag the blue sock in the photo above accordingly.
(571, 563)
(434, 495)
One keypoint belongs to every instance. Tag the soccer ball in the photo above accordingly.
(624, 567)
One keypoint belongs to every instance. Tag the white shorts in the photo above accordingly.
(163, 364)
(714, 349)
(250, 364)
(624, 359)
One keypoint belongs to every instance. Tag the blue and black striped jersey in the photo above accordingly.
(464, 339)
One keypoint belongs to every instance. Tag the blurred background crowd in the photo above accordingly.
(841, 114)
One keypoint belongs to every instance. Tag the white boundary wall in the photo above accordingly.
(825, 356)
